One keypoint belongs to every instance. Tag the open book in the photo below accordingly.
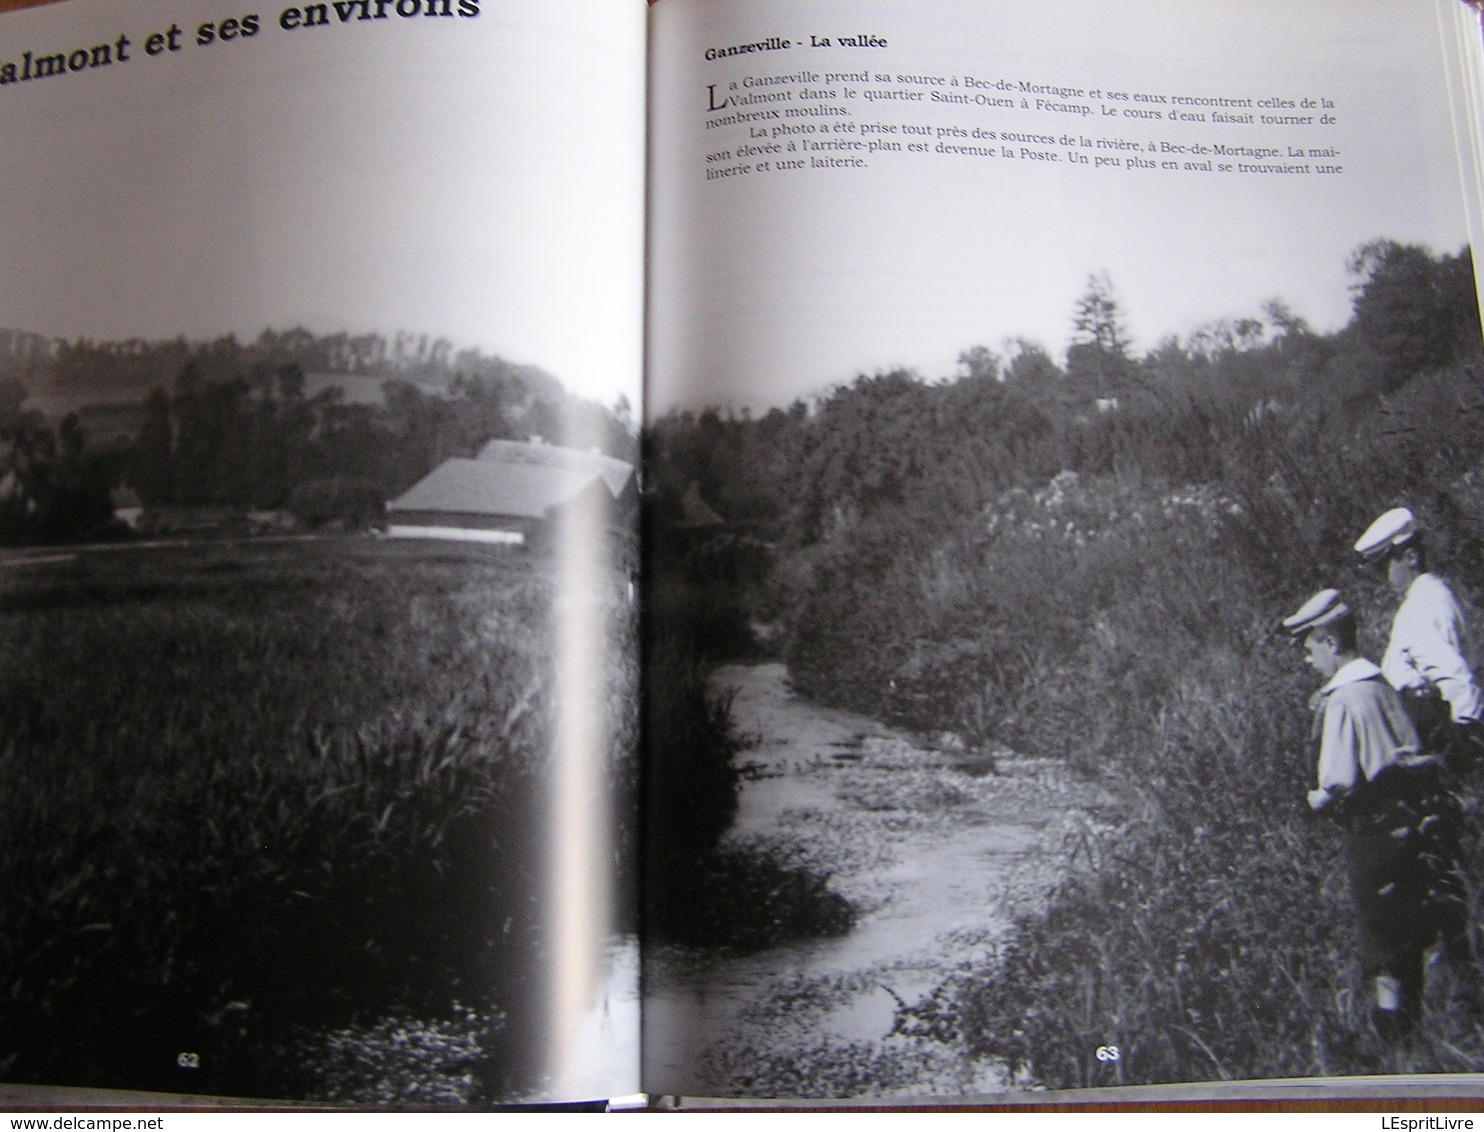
(907, 721)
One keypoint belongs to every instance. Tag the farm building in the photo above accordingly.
(512, 492)
(617, 474)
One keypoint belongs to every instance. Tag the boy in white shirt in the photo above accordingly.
(1427, 656)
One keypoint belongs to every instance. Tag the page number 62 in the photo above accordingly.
(1107, 1053)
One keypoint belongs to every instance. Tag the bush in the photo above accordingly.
(1125, 622)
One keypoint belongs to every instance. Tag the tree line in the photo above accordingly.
(237, 425)
(931, 451)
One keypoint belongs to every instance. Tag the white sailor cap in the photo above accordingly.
(1323, 608)
(1394, 529)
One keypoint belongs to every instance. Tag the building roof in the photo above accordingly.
(695, 512)
(484, 487)
(615, 473)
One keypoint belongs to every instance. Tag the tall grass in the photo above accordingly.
(248, 795)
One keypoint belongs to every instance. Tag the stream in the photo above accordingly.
(940, 848)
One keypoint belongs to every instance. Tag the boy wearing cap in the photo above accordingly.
(1390, 801)
(1426, 657)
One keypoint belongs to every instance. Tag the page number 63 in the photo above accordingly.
(1107, 1053)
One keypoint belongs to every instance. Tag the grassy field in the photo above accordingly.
(255, 794)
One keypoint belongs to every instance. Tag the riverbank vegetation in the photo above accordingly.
(1086, 560)
(273, 816)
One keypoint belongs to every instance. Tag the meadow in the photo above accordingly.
(264, 807)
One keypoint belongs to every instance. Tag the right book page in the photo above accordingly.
(1012, 370)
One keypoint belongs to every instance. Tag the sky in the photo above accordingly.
(479, 179)
(770, 286)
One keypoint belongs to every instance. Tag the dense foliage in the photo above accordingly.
(253, 796)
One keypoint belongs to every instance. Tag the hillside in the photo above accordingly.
(247, 425)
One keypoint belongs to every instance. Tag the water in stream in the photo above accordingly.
(938, 847)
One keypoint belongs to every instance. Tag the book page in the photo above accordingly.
(1466, 85)
(320, 345)
(1013, 370)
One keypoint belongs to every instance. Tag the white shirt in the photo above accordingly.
(1362, 729)
(1429, 645)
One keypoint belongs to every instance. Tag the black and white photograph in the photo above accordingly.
(1065, 425)
(320, 359)
(740, 552)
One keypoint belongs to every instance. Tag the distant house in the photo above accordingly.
(513, 492)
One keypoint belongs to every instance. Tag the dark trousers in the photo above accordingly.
(1401, 851)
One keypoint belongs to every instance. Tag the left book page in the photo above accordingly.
(320, 347)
